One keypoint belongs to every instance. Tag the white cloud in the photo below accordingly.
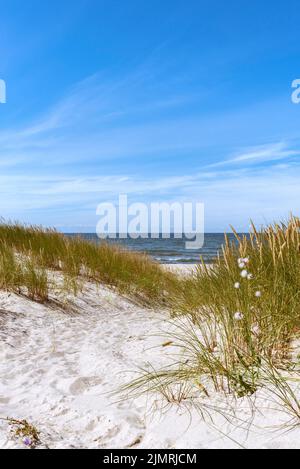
(261, 154)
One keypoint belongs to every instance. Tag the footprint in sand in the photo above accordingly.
(4, 400)
(82, 384)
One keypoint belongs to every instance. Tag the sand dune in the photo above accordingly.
(58, 369)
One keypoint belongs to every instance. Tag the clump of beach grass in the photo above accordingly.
(235, 323)
(22, 275)
(253, 291)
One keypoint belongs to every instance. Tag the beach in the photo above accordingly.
(60, 370)
(149, 227)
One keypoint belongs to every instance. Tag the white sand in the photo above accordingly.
(58, 369)
(181, 269)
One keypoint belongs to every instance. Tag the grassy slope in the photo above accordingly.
(26, 254)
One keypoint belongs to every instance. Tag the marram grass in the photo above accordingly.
(28, 254)
(237, 321)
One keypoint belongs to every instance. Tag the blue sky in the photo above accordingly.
(163, 101)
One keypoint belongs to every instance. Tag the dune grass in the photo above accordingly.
(238, 321)
(252, 294)
(27, 254)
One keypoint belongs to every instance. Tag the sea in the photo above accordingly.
(169, 250)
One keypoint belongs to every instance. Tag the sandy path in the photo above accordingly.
(58, 369)
(64, 364)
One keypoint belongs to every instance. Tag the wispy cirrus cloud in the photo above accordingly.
(271, 152)
(104, 118)
(261, 154)
(99, 118)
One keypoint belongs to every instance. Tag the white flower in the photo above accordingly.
(241, 265)
(244, 273)
(258, 294)
(238, 316)
(237, 285)
(240, 260)
(249, 276)
(255, 329)
(246, 260)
